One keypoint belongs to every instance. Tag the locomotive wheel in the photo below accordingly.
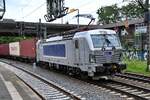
(83, 75)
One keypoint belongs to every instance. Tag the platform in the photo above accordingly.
(12, 88)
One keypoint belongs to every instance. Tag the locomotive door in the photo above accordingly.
(77, 51)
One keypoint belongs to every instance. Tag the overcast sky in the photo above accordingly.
(32, 10)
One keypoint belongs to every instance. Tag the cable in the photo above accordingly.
(1, 3)
(29, 3)
(34, 10)
(83, 5)
(94, 11)
(86, 4)
(110, 5)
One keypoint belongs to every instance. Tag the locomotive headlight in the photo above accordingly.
(92, 58)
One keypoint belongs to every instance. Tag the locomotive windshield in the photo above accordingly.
(105, 40)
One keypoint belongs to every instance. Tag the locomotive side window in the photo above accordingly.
(76, 44)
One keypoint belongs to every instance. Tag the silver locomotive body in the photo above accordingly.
(95, 52)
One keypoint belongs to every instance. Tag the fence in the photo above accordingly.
(138, 55)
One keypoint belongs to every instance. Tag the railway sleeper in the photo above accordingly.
(138, 92)
(126, 89)
(133, 90)
(147, 94)
(147, 97)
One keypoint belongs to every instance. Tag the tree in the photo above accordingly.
(8, 39)
(108, 14)
(111, 14)
(132, 10)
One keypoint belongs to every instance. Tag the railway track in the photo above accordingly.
(137, 80)
(135, 77)
(133, 85)
(137, 92)
(130, 91)
(133, 88)
(46, 89)
(84, 89)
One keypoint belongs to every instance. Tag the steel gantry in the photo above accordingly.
(2, 8)
(55, 9)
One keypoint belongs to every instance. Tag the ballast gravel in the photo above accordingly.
(85, 90)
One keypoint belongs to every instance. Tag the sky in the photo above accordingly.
(32, 10)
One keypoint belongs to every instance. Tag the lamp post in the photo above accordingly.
(73, 10)
(78, 18)
(147, 22)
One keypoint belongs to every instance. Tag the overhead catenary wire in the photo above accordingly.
(30, 13)
(79, 7)
(28, 4)
(94, 11)
(84, 5)
(1, 4)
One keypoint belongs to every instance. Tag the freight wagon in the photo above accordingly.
(28, 49)
(22, 50)
(4, 50)
(14, 49)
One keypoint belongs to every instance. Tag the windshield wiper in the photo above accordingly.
(103, 46)
(108, 42)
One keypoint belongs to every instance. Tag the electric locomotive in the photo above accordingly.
(93, 53)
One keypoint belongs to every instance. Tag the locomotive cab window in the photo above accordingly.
(107, 40)
(76, 44)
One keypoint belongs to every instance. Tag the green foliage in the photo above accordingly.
(108, 14)
(8, 39)
(111, 14)
(132, 10)
(136, 66)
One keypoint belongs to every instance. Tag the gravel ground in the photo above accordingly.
(86, 90)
